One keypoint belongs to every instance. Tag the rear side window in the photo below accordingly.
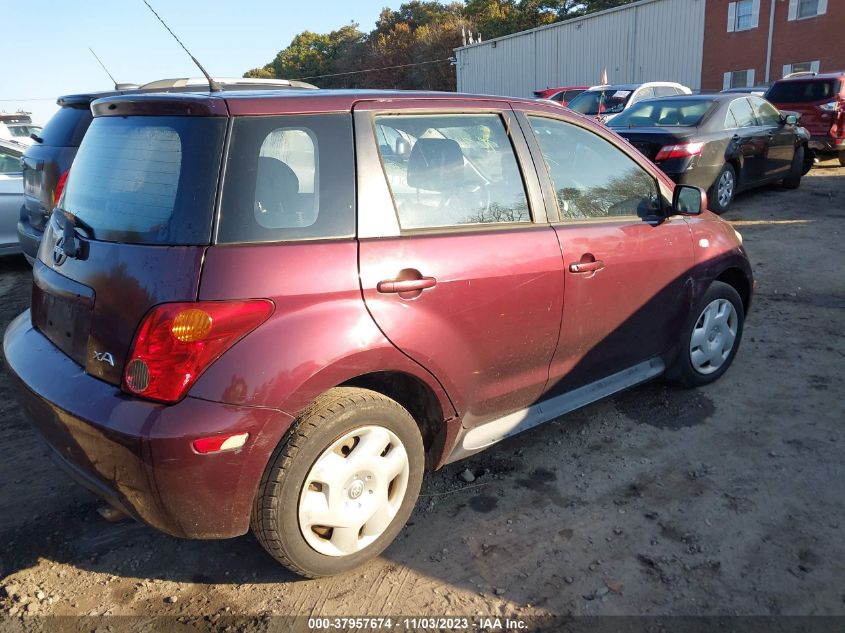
(451, 170)
(67, 127)
(147, 179)
(803, 91)
(289, 178)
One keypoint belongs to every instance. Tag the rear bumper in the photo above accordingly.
(29, 239)
(827, 144)
(135, 454)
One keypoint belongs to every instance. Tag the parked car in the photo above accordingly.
(11, 195)
(47, 162)
(383, 282)
(723, 143)
(606, 102)
(562, 95)
(17, 127)
(757, 91)
(820, 100)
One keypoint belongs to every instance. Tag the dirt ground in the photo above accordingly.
(724, 500)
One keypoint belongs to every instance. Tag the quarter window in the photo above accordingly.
(592, 177)
(451, 170)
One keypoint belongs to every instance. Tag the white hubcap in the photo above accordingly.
(713, 336)
(353, 491)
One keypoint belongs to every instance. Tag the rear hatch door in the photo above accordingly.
(130, 232)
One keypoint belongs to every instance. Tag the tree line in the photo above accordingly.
(410, 47)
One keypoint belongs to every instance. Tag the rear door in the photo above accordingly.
(627, 272)
(141, 202)
(458, 265)
(748, 141)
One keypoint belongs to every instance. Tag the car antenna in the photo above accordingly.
(113, 80)
(212, 85)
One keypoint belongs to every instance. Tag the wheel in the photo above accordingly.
(722, 192)
(796, 169)
(341, 485)
(711, 337)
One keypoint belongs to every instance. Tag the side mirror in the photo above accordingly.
(790, 119)
(688, 200)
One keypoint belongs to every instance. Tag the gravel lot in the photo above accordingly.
(725, 500)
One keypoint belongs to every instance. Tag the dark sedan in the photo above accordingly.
(722, 143)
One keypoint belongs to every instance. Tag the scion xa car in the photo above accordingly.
(278, 311)
(722, 143)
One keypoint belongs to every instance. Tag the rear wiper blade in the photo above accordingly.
(70, 224)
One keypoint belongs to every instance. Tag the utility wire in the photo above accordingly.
(372, 70)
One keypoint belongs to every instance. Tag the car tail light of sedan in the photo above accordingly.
(679, 151)
(177, 342)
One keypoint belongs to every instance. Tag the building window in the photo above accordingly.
(738, 79)
(801, 67)
(743, 15)
(802, 9)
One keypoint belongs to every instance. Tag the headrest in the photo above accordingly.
(436, 164)
(275, 178)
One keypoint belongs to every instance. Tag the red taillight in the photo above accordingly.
(60, 187)
(178, 341)
(679, 151)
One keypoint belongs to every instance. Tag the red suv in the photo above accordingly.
(820, 100)
(277, 311)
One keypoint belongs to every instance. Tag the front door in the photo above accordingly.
(467, 277)
(627, 269)
(749, 141)
(780, 138)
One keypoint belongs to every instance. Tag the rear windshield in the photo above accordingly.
(607, 101)
(66, 128)
(663, 113)
(803, 91)
(289, 178)
(147, 179)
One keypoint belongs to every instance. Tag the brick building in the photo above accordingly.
(751, 42)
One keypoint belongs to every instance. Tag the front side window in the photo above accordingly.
(741, 114)
(765, 112)
(289, 178)
(448, 170)
(592, 177)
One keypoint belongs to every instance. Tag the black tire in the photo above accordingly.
(716, 204)
(796, 169)
(683, 370)
(275, 512)
(842, 158)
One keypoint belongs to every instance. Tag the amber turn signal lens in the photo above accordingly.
(191, 325)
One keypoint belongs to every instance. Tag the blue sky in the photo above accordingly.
(46, 41)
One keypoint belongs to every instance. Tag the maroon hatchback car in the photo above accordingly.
(277, 311)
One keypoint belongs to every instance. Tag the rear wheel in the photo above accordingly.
(341, 485)
(711, 337)
(723, 190)
(796, 169)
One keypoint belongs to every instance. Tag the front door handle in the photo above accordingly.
(405, 285)
(586, 267)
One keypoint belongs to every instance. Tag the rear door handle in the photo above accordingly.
(406, 285)
(586, 267)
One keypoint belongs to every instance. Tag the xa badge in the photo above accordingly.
(104, 357)
(59, 255)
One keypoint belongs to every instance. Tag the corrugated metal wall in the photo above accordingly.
(651, 40)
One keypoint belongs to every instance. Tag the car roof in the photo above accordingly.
(644, 84)
(245, 102)
(12, 145)
(837, 74)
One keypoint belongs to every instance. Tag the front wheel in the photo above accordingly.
(711, 337)
(723, 190)
(341, 485)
